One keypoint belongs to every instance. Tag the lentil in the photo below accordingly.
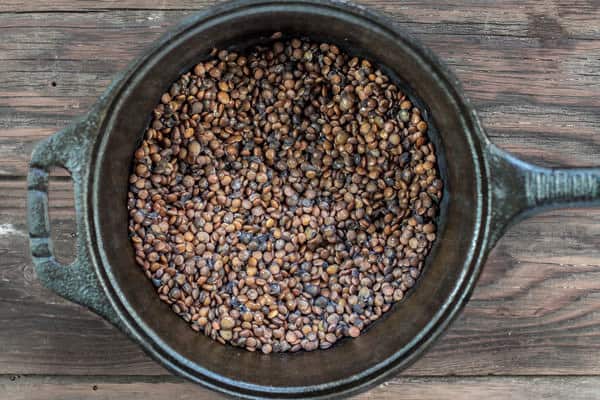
(284, 198)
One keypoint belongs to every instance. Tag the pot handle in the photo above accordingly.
(519, 189)
(77, 282)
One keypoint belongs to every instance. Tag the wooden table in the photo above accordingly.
(532, 327)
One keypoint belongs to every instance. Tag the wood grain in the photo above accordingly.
(401, 388)
(531, 69)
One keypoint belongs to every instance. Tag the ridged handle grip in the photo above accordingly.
(564, 187)
(519, 189)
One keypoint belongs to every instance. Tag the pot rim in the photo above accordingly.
(174, 361)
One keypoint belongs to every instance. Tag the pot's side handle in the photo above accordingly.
(77, 282)
(519, 189)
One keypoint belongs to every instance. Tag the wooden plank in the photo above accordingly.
(536, 297)
(533, 75)
(508, 15)
(401, 388)
(83, 6)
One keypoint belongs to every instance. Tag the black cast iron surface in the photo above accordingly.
(485, 190)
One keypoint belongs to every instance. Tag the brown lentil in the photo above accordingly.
(285, 198)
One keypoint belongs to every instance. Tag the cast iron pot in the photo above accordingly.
(485, 190)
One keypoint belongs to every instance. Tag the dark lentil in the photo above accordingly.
(285, 198)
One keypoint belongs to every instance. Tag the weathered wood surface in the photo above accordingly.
(532, 70)
(405, 388)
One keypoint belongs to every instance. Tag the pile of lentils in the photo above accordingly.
(285, 198)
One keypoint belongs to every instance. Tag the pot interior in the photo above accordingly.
(401, 332)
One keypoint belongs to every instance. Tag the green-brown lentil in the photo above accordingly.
(285, 198)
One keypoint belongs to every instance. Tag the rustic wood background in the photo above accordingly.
(532, 327)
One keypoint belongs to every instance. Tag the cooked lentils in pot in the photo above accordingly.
(284, 198)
